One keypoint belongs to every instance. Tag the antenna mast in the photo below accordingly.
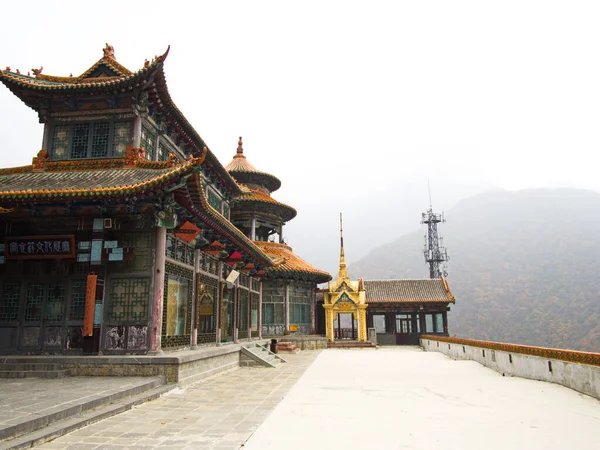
(436, 255)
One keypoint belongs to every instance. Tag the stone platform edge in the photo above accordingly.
(181, 366)
(579, 371)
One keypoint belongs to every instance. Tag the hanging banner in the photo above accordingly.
(90, 305)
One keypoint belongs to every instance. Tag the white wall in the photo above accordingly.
(581, 377)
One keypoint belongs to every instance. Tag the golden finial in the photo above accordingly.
(240, 149)
(343, 271)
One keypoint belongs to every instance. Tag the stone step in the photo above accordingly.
(19, 366)
(289, 347)
(11, 436)
(34, 373)
(74, 422)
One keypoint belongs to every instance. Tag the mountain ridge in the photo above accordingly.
(523, 266)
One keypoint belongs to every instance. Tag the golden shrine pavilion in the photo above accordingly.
(395, 311)
(127, 235)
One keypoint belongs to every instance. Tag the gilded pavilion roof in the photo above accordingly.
(428, 290)
(289, 264)
(246, 173)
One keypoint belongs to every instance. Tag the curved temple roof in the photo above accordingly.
(109, 77)
(89, 180)
(290, 264)
(246, 173)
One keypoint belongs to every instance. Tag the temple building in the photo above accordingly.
(118, 238)
(289, 286)
(396, 311)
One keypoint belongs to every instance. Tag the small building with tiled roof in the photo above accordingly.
(401, 310)
(117, 238)
(290, 284)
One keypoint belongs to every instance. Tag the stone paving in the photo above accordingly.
(219, 414)
(31, 398)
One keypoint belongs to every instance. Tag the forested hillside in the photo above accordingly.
(525, 267)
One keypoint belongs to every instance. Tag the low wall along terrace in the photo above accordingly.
(577, 370)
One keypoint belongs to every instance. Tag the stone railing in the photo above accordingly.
(577, 370)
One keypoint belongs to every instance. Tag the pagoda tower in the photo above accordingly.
(289, 287)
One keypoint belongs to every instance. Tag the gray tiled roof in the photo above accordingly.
(408, 291)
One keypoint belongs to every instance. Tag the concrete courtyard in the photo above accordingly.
(391, 398)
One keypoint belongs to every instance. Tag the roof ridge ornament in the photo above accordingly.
(109, 51)
(39, 161)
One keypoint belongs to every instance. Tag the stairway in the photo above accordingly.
(257, 356)
(348, 344)
(68, 415)
(28, 370)
(288, 347)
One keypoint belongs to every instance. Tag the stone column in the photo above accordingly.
(253, 228)
(286, 310)
(156, 142)
(313, 312)
(236, 310)
(195, 302)
(259, 326)
(158, 291)
(46, 137)
(249, 301)
(137, 131)
(219, 304)
(281, 233)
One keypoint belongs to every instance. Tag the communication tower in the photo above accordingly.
(436, 255)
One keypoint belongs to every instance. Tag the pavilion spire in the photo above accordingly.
(343, 271)
(240, 149)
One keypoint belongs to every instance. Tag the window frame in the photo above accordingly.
(68, 144)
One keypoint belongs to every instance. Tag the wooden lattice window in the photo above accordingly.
(60, 142)
(129, 300)
(121, 138)
(77, 303)
(90, 140)
(214, 200)
(226, 210)
(79, 142)
(55, 302)
(148, 141)
(33, 302)
(9, 306)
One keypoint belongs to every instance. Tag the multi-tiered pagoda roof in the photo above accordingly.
(256, 199)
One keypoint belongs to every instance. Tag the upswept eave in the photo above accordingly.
(288, 264)
(88, 179)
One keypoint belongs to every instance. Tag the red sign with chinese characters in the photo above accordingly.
(39, 247)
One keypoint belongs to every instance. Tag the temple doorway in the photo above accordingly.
(345, 326)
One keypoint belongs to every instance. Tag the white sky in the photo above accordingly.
(351, 104)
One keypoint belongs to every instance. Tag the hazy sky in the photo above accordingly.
(353, 105)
